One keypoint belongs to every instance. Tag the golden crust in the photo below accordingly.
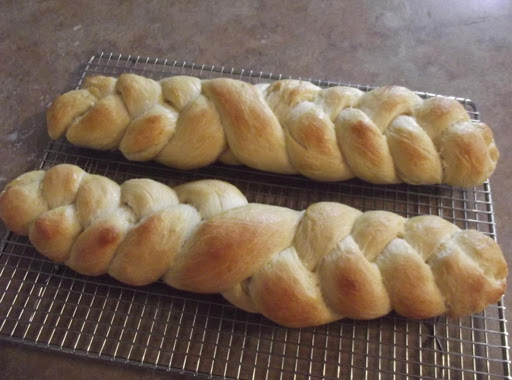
(95, 247)
(21, 202)
(139, 94)
(180, 91)
(288, 293)
(150, 247)
(148, 134)
(409, 282)
(102, 127)
(65, 109)
(228, 247)
(387, 135)
(252, 131)
(324, 224)
(210, 197)
(436, 114)
(364, 147)
(352, 285)
(296, 268)
(465, 155)
(61, 184)
(199, 133)
(54, 232)
(454, 262)
(312, 146)
(414, 154)
(384, 104)
(102, 84)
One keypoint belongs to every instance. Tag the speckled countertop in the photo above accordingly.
(461, 48)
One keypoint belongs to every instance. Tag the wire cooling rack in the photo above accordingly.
(50, 306)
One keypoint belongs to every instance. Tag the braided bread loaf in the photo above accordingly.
(297, 268)
(388, 135)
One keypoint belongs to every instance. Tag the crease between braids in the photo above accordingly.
(298, 268)
(387, 135)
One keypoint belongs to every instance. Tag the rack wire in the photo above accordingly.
(51, 306)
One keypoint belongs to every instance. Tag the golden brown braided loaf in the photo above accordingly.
(388, 135)
(297, 268)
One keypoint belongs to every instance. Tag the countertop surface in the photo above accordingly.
(461, 48)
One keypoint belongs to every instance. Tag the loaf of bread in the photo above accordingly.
(298, 268)
(388, 135)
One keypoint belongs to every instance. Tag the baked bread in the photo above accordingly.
(388, 135)
(298, 268)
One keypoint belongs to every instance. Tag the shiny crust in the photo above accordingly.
(387, 135)
(298, 268)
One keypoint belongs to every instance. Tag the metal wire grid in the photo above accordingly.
(158, 327)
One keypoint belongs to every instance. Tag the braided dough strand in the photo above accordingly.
(297, 268)
(388, 135)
